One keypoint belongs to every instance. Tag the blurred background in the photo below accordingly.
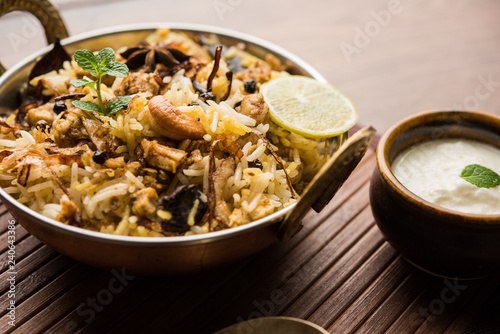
(393, 58)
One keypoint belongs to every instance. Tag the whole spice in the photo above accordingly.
(255, 164)
(99, 157)
(70, 96)
(207, 94)
(182, 209)
(59, 107)
(52, 61)
(250, 86)
(151, 55)
(229, 76)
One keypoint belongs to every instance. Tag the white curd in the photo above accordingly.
(432, 171)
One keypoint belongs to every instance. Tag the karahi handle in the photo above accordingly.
(328, 180)
(44, 11)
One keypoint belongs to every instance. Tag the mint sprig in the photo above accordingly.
(86, 105)
(118, 104)
(480, 176)
(99, 65)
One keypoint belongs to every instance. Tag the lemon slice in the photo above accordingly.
(308, 107)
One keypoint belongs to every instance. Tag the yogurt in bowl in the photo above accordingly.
(432, 170)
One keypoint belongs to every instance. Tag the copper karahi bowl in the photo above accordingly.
(141, 255)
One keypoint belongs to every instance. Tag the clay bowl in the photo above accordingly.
(440, 241)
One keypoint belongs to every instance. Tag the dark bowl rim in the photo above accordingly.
(383, 165)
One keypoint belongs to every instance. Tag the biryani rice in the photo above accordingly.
(103, 195)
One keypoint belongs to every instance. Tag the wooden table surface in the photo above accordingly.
(393, 58)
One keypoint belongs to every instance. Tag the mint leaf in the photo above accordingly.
(87, 61)
(480, 176)
(87, 106)
(83, 82)
(116, 69)
(105, 57)
(79, 82)
(92, 84)
(118, 104)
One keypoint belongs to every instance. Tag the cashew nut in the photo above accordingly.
(170, 122)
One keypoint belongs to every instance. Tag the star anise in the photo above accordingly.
(152, 55)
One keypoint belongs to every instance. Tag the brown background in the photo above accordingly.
(418, 55)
